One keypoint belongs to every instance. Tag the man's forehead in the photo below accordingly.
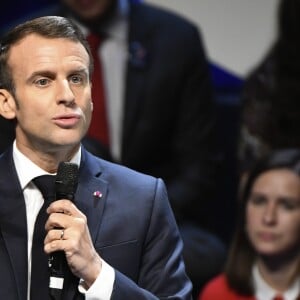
(36, 39)
(35, 53)
(34, 45)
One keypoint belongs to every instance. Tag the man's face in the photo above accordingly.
(89, 10)
(53, 92)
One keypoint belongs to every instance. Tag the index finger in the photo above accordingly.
(63, 206)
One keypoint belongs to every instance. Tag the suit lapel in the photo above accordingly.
(13, 222)
(91, 193)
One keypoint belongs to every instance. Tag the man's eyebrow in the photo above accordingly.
(80, 70)
(40, 73)
(50, 74)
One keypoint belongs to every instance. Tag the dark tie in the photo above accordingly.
(99, 126)
(278, 297)
(39, 269)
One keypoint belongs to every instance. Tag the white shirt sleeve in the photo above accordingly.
(102, 288)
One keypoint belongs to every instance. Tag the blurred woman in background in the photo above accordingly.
(264, 259)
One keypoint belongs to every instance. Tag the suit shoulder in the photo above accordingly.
(120, 174)
(128, 175)
(141, 189)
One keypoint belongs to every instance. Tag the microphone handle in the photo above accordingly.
(60, 274)
(58, 265)
(58, 269)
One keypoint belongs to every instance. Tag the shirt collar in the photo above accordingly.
(265, 292)
(27, 170)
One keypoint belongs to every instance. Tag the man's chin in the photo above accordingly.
(64, 143)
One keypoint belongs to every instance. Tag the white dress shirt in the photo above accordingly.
(264, 292)
(26, 171)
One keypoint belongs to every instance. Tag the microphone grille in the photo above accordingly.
(66, 178)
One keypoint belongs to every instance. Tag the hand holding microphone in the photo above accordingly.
(68, 240)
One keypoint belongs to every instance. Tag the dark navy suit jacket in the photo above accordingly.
(131, 225)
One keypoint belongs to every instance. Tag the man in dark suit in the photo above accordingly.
(119, 236)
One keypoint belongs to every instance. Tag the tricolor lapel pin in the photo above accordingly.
(97, 194)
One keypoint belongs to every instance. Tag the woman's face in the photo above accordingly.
(273, 212)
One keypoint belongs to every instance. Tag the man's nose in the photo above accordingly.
(65, 94)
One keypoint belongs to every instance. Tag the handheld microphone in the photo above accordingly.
(65, 187)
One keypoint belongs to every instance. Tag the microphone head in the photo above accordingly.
(66, 180)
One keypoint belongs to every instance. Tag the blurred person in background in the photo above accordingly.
(264, 259)
(270, 117)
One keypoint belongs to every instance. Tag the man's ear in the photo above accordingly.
(7, 104)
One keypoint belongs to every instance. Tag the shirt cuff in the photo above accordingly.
(102, 287)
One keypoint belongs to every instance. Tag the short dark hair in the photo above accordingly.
(47, 26)
(241, 257)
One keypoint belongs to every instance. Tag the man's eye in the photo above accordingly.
(76, 79)
(42, 82)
